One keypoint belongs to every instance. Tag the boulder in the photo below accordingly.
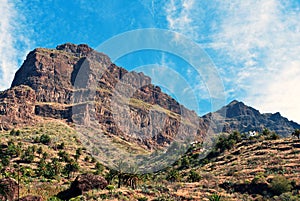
(8, 189)
(83, 183)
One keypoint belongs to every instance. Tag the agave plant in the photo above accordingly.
(215, 197)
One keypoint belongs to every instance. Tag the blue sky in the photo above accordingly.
(255, 45)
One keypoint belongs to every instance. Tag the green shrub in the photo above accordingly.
(280, 185)
(273, 136)
(173, 175)
(194, 176)
(110, 188)
(54, 199)
(99, 168)
(13, 132)
(215, 197)
(185, 162)
(259, 178)
(45, 139)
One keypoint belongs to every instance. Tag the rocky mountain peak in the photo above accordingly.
(82, 49)
(236, 108)
(238, 116)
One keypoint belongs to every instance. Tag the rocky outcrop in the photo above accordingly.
(83, 183)
(238, 116)
(8, 189)
(17, 107)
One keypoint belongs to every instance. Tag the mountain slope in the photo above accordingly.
(76, 84)
(238, 116)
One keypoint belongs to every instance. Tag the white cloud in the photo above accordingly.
(256, 45)
(263, 37)
(10, 35)
(180, 17)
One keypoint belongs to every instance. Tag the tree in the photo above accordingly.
(45, 139)
(71, 167)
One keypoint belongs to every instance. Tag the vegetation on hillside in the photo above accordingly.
(47, 158)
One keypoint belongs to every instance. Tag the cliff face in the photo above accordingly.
(17, 107)
(79, 85)
(238, 116)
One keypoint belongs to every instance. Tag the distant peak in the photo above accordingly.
(70, 47)
(234, 102)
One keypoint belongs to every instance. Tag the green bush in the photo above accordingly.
(280, 185)
(194, 176)
(173, 175)
(54, 199)
(215, 197)
(273, 136)
(13, 132)
(45, 139)
(110, 188)
(99, 168)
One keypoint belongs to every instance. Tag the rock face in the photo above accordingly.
(17, 106)
(9, 189)
(238, 116)
(79, 85)
(83, 183)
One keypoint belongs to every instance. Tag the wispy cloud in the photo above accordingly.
(262, 40)
(12, 42)
(256, 46)
(180, 18)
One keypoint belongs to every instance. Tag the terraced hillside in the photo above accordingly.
(246, 171)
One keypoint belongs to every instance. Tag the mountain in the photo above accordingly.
(82, 87)
(238, 116)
